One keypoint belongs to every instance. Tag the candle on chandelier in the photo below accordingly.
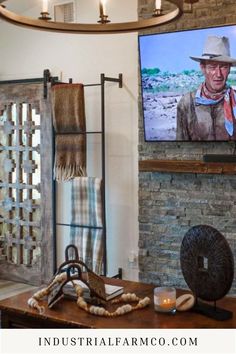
(158, 4)
(103, 8)
(45, 6)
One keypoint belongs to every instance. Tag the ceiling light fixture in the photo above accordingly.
(104, 25)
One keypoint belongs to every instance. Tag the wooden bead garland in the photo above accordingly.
(39, 295)
(100, 311)
(94, 310)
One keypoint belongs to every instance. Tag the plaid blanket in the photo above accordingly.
(88, 213)
(90, 247)
(87, 201)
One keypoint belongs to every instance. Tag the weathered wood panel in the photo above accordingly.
(26, 236)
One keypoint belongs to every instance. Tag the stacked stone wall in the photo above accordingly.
(171, 203)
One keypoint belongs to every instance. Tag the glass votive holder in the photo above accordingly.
(165, 299)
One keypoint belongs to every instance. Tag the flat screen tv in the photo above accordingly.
(168, 74)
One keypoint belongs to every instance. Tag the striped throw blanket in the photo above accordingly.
(90, 247)
(87, 212)
(87, 201)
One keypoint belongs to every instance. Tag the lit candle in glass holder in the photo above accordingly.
(165, 299)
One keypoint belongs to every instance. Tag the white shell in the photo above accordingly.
(185, 302)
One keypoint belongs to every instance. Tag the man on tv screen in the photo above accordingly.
(209, 113)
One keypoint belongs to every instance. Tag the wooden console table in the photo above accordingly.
(15, 313)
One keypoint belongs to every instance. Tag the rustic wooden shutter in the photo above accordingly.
(26, 216)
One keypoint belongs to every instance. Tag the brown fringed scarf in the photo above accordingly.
(69, 116)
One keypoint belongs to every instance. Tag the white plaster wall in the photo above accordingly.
(26, 53)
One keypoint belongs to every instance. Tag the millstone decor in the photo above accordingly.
(208, 268)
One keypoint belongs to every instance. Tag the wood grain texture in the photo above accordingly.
(66, 314)
(187, 166)
(26, 239)
(10, 288)
(48, 255)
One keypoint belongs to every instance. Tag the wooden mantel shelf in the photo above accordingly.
(187, 166)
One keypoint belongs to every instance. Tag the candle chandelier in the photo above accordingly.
(103, 25)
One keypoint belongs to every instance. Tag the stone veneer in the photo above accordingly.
(171, 203)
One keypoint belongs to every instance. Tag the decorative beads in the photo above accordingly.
(126, 297)
(78, 289)
(94, 310)
(81, 303)
(39, 295)
(144, 302)
(60, 277)
(100, 311)
(34, 304)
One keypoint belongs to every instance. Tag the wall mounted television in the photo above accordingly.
(168, 73)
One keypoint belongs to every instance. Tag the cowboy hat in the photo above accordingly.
(216, 49)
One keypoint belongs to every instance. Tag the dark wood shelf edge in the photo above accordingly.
(187, 166)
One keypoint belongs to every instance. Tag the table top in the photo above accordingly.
(66, 312)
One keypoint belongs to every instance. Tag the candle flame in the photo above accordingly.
(167, 301)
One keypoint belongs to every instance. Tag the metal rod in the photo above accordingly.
(119, 80)
(103, 169)
(74, 133)
(103, 80)
(88, 85)
(81, 226)
(22, 81)
(60, 82)
(46, 79)
(54, 199)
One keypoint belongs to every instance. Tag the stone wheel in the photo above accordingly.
(207, 262)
